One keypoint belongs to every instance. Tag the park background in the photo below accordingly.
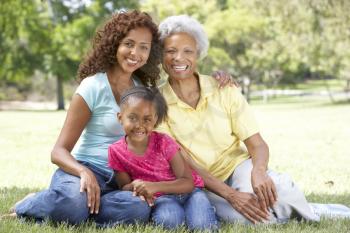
(291, 57)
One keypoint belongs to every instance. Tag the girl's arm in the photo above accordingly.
(182, 184)
(77, 118)
(124, 181)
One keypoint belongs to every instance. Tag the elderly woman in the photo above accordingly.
(210, 123)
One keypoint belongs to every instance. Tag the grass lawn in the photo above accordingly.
(307, 140)
(312, 85)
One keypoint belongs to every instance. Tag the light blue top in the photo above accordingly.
(103, 127)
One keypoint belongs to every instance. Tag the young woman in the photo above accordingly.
(125, 53)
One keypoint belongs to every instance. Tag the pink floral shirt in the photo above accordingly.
(153, 166)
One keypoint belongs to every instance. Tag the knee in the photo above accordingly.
(200, 214)
(168, 219)
(69, 206)
(168, 213)
(242, 177)
(203, 221)
(138, 210)
(122, 207)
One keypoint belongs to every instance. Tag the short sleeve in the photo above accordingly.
(243, 120)
(169, 147)
(87, 90)
(113, 159)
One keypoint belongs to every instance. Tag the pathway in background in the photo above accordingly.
(27, 105)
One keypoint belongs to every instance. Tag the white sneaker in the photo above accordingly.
(330, 210)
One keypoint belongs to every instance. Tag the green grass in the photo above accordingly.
(311, 85)
(321, 85)
(309, 141)
(323, 90)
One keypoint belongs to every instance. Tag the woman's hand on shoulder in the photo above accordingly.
(89, 184)
(224, 79)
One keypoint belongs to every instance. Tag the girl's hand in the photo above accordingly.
(224, 79)
(264, 188)
(149, 200)
(144, 189)
(247, 204)
(89, 184)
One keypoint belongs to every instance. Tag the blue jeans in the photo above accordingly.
(193, 209)
(63, 202)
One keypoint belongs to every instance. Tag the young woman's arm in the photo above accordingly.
(224, 79)
(78, 116)
(182, 184)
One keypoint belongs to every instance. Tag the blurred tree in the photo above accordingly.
(283, 41)
(51, 36)
(73, 26)
(21, 34)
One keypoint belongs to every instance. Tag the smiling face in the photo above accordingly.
(134, 49)
(180, 55)
(138, 118)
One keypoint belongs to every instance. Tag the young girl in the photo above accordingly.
(150, 165)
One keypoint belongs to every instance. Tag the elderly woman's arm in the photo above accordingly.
(245, 203)
(262, 184)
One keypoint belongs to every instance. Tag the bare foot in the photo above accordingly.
(8, 216)
(12, 209)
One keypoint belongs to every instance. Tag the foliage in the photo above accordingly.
(49, 36)
(21, 33)
(282, 41)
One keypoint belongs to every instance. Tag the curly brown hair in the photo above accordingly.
(102, 57)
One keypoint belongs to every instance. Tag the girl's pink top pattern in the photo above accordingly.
(154, 165)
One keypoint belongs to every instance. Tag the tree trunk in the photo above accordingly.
(329, 91)
(248, 93)
(60, 98)
(246, 88)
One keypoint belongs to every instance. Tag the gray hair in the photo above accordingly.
(186, 24)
